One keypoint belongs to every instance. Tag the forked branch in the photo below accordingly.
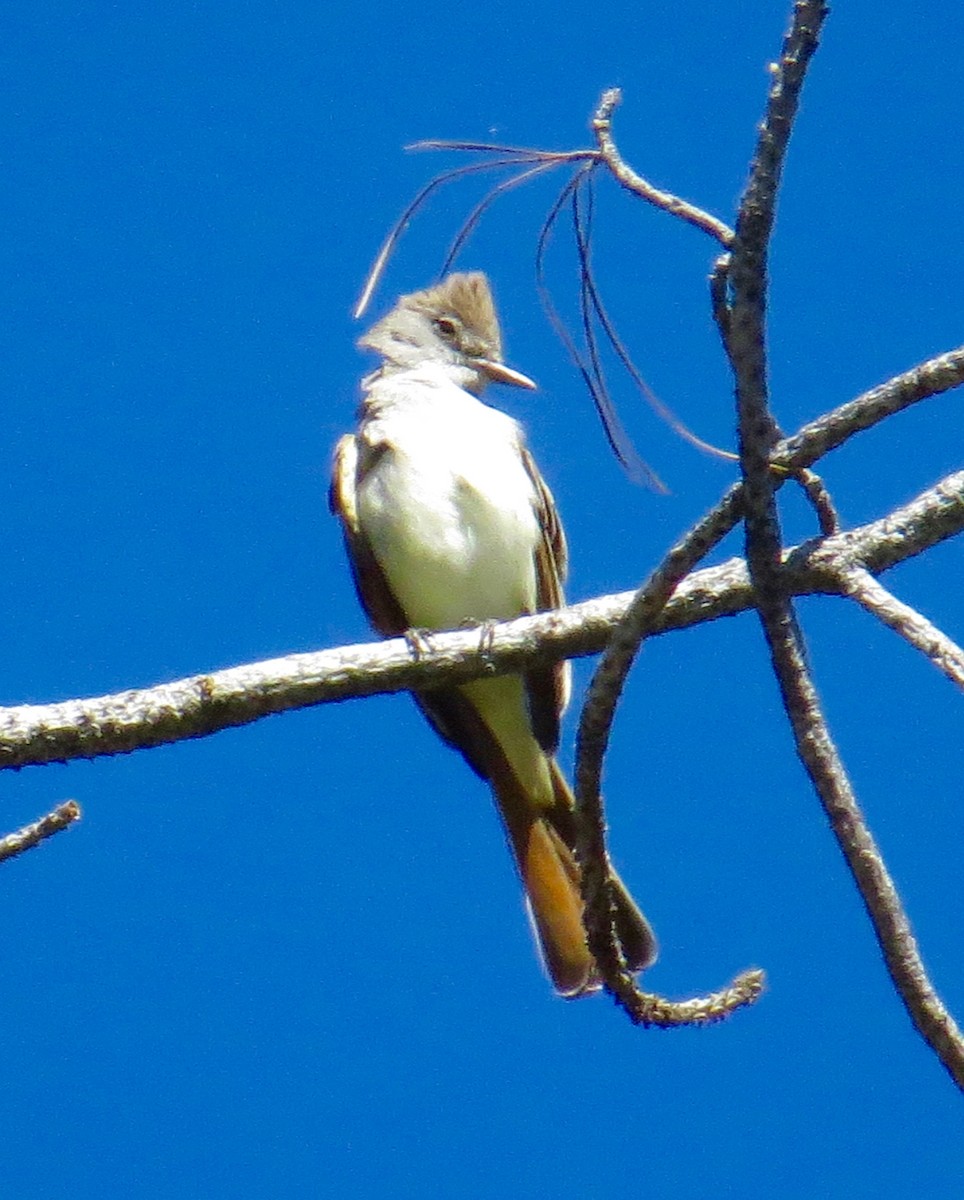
(739, 294)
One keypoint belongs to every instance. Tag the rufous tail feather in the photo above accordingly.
(541, 842)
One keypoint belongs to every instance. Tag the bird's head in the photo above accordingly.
(454, 323)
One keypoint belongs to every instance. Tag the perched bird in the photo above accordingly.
(448, 522)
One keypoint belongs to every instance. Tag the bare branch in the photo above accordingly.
(592, 740)
(831, 430)
(742, 327)
(946, 655)
(645, 1008)
(925, 521)
(881, 899)
(816, 492)
(32, 835)
(815, 746)
(602, 127)
(826, 433)
(204, 704)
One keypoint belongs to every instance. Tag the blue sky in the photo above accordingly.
(290, 960)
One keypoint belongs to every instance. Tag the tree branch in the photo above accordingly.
(946, 655)
(647, 1008)
(791, 456)
(815, 746)
(32, 835)
(642, 188)
(204, 704)
(826, 433)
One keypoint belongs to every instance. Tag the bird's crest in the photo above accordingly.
(467, 298)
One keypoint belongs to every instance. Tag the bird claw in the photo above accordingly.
(419, 642)
(486, 639)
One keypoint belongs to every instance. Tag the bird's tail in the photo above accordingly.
(542, 838)
(539, 820)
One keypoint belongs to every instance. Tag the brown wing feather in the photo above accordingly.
(547, 688)
(553, 539)
(377, 598)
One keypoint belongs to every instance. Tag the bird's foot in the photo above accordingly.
(486, 639)
(419, 642)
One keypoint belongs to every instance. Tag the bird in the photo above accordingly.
(448, 523)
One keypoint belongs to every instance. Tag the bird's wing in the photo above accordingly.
(547, 687)
(377, 598)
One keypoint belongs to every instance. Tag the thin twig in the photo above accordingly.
(32, 835)
(556, 157)
(646, 1008)
(858, 583)
(815, 490)
(383, 255)
(602, 127)
(477, 213)
(619, 440)
(636, 467)
(666, 414)
(832, 429)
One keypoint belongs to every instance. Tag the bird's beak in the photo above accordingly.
(499, 373)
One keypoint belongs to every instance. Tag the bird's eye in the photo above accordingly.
(446, 328)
